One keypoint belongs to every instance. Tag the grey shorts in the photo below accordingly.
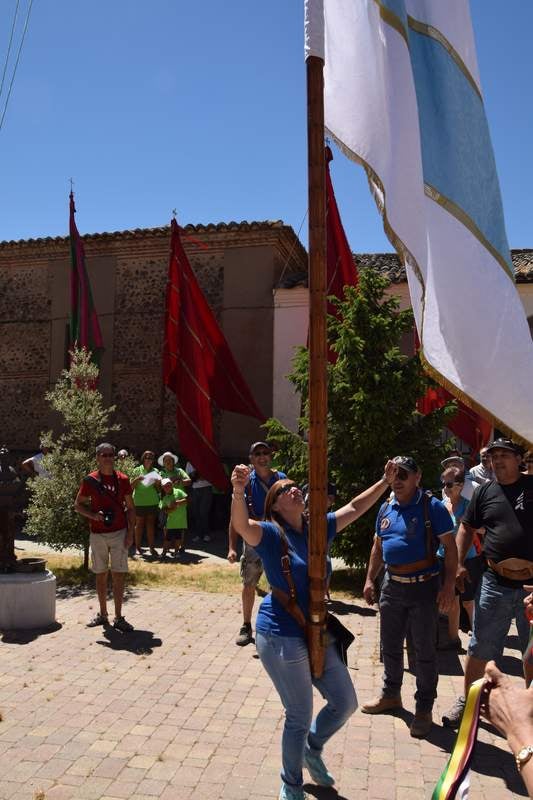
(251, 567)
(106, 547)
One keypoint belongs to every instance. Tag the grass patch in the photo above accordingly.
(219, 579)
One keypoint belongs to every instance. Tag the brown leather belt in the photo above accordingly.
(414, 566)
(413, 578)
(514, 569)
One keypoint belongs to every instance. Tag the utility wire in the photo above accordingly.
(9, 47)
(16, 63)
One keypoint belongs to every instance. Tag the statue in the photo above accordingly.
(10, 488)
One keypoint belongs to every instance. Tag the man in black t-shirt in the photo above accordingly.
(504, 507)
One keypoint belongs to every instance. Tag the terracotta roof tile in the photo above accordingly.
(389, 265)
(160, 231)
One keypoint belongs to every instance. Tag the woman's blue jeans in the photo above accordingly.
(286, 660)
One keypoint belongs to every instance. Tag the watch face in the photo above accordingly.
(524, 753)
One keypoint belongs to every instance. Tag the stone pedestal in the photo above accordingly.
(27, 600)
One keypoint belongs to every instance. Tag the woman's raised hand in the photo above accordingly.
(240, 477)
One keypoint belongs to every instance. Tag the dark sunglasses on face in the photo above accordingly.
(402, 474)
(149, 458)
(107, 455)
(449, 484)
(261, 453)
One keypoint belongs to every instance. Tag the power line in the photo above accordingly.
(9, 47)
(16, 63)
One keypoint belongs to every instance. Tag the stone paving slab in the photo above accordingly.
(177, 711)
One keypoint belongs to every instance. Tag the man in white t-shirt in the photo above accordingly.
(33, 466)
(202, 497)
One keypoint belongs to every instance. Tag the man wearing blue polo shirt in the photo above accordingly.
(262, 477)
(409, 528)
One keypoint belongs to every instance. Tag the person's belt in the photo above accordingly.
(413, 578)
(514, 569)
(414, 566)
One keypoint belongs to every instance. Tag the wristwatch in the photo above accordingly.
(523, 756)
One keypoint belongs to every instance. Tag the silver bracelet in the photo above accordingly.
(237, 496)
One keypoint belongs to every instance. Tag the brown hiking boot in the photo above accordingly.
(421, 724)
(382, 704)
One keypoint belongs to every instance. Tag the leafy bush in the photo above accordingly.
(84, 422)
(372, 392)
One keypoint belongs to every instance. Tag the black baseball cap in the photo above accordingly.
(256, 445)
(505, 444)
(407, 462)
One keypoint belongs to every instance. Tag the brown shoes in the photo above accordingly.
(382, 704)
(421, 724)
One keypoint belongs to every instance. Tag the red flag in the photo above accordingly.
(198, 366)
(341, 268)
(84, 329)
(466, 424)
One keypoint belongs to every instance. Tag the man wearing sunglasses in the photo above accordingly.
(262, 477)
(409, 527)
(105, 499)
(504, 508)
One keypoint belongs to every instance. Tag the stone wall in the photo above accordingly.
(237, 266)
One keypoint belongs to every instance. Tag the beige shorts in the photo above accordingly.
(106, 545)
(251, 566)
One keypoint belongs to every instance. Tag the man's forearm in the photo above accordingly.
(85, 511)
(232, 537)
(130, 513)
(375, 563)
(450, 562)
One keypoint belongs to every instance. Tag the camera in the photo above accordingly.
(108, 516)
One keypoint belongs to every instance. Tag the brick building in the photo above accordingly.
(237, 265)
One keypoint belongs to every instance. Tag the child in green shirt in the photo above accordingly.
(174, 505)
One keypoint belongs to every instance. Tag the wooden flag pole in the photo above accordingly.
(318, 398)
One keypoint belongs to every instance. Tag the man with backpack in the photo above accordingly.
(504, 508)
(105, 499)
(409, 527)
(261, 479)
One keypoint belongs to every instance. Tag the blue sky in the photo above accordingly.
(201, 107)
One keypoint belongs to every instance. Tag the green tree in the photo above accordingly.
(84, 421)
(372, 392)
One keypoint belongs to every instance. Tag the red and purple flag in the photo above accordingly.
(198, 367)
(84, 329)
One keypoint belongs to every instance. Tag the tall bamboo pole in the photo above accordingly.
(318, 398)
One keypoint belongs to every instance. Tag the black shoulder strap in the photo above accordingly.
(102, 488)
(430, 538)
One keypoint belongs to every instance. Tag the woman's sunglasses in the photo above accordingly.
(285, 489)
(449, 484)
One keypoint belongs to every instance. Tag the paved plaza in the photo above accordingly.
(176, 711)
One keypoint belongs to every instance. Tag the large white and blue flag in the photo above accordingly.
(403, 98)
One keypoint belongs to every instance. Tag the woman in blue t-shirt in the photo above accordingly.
(280, 639)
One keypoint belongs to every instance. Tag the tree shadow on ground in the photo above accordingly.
(449, 663)
(27, 636)
(513, 643)
(341, 608)
(185, 559)
(139, 642)
(488, 759)
(325, 793)
(511, 665)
